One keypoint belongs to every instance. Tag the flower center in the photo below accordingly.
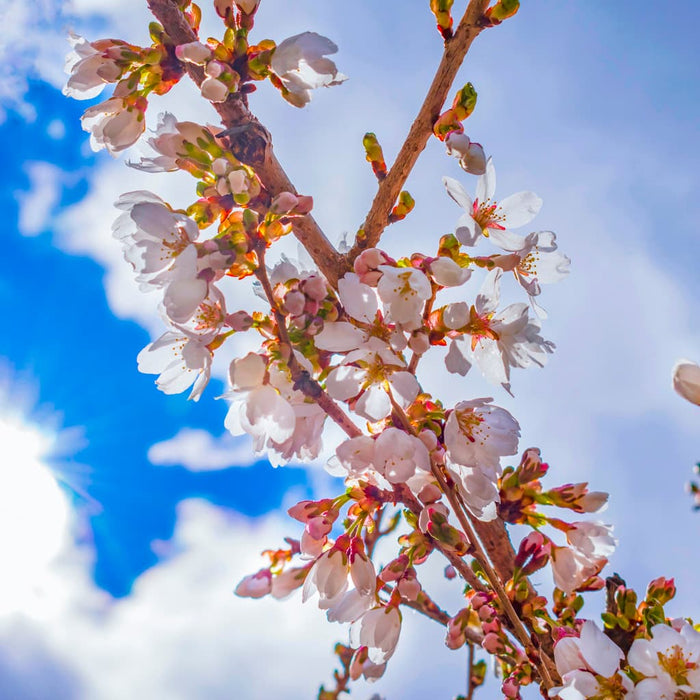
(488, 215)
(470, 425)
(610, 688)
(479, 327)
(208, 315)
(528, 265)
(676, 664)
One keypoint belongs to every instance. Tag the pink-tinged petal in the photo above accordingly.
(467, 231)
(520, 208)
(340, 336)
(507, 240)
(655, 689)
(349, 607)
(232, 422)
(358, 299)
(374, 404)
(602, 655)
(456, 315)
(686, 380)
(404, 387)
(183, 297)
(567, 655)
(267, 411)
(248, 372)
(344, 382)
(458, 193)
(490, 362)
(583, 683)
(486, 184)
(447, 273)
(490, 293)
(363, 576)
(455, 361)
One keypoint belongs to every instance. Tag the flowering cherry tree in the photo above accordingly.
(341, 342)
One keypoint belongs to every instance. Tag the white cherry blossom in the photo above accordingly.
(670, 660)
(397, 455)
(170, 141)
(589, 666)
(593, 539)
(536, 258)
(478, 434)
(378, 629)
(483, 213)
(116, 123)
(91, 68)
(404, 291)
(499, 341)
(471, 156)
(301, 65)
(571, 568)
(181, 360)
(447, 273)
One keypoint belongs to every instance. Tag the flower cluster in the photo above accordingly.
(345, 342)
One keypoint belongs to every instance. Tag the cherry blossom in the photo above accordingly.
(686, 380)
(483, 213)
(472, 158)
(670, 660)
(589, 666)
(181, 360)
(478, 433)
(301, 65)
(116, 123)
(91, 66)
(378, 629)
(404, 290)
(593, 539)
(499, 341)
(536, 259)
(369, 373)
(571, 568)
(172, 140)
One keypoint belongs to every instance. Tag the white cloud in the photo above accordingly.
(37, 204)
(183, 635)
(198, 450)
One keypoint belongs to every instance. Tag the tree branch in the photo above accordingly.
(456, 49)
(251, 143)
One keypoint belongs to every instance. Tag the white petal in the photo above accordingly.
(486, 184)
(458, 193)
(339, 337)
(520, 208)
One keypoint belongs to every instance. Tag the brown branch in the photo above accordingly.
(251, 143)
(456, 49)
(303, 381)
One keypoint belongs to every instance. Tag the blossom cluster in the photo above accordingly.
(344, 344)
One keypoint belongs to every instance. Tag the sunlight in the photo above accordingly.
(33, 512)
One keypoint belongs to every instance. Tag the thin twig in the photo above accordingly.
(252, 144)
(456, 49)
(303, 381)
(470, 667)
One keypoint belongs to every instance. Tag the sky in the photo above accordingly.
(121, 578)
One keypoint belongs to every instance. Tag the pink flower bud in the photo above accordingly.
(240, 321)
(493, 643)
(294, 303)
(450, 572)
(409, 588)
(319, 527)
(315, 287)
(256, 585)
(283, 203)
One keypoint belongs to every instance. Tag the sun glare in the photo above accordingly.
(33, 512)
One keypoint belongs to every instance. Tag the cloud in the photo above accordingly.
(183, 635)
(38, 203)
(198, 450)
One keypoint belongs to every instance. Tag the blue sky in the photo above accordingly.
(592, 106)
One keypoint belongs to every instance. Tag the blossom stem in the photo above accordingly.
(251, 143)
(471, 687)
(303, 381)
(456, 49)
(480, 555)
